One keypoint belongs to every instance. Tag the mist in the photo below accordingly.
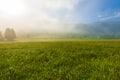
(31, 17)
(37, 16)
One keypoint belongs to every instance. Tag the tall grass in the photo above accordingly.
(63, 60)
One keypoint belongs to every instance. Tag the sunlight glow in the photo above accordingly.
(12, 8)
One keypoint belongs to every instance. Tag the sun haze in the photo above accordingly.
(12, 8)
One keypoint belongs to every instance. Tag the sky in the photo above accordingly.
(33, 12)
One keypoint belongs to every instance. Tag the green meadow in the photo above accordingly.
(60, 60)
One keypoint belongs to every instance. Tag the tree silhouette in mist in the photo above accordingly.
(1, 36)
(10, 34)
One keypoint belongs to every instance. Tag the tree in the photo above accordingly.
(1, 37)
(10, 34)
(13, 33)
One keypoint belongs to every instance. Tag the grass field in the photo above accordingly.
(60, 60)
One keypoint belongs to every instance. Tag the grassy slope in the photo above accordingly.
(60, 60)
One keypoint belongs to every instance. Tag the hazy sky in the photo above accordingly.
(35, 12)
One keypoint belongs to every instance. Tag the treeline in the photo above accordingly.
(9, 35)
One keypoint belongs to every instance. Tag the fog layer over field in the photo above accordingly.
(37, 16)
(59, 16)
